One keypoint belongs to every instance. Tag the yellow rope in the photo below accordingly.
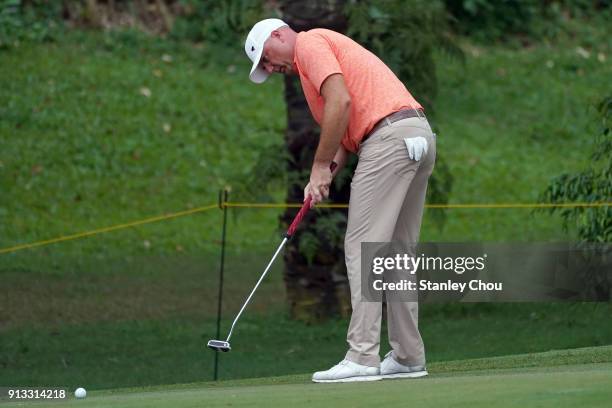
(519, 205)
(278, 205)
(447, 206)
(274, 205)
(106, 229)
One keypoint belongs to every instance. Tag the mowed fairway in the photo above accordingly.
(568, 385)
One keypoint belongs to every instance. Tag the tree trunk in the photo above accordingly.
(317, 288)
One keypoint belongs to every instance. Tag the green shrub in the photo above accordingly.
(592, 185)
(529, 20)
(35, 20)
(492, 20)
(219, 22)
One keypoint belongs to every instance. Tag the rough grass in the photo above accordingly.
(102, 129)
(97, 130)
(509, 121)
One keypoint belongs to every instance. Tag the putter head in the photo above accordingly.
(219, 345)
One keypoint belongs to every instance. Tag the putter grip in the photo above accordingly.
(299, 217)
(305, 207)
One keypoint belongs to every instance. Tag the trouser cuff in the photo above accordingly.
(370, 361)
(410, 362)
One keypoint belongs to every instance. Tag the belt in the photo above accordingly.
(394, 117)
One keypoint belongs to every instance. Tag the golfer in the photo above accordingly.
(362, 108)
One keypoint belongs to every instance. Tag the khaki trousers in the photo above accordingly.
(386, 204)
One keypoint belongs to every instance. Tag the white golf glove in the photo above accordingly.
(417, 147)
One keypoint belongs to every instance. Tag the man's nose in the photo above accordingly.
(268, 68)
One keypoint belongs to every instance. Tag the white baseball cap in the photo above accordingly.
(253, 46)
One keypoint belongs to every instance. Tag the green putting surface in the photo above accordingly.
(580, 377)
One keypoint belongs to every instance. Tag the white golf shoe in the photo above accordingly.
(347, 371)
(389, 368)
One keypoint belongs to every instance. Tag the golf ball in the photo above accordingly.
(80, 393)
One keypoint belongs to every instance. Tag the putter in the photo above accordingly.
(224, 345)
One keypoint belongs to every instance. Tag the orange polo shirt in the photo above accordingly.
(374, 89)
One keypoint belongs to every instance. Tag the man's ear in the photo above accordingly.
(276, 34)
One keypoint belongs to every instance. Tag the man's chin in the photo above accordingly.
(286, 71)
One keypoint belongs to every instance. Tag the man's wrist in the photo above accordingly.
(322, 164)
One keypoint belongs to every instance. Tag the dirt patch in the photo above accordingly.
(152, 16)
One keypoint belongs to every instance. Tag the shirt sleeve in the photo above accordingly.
(317, 59)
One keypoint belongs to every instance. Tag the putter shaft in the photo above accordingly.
(263, 275)
(215, 344)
